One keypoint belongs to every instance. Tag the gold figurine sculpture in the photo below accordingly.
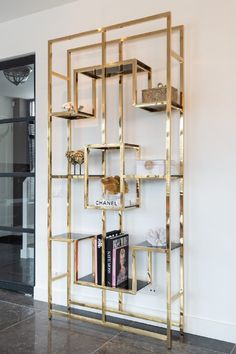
(112, 185)
(76, 158)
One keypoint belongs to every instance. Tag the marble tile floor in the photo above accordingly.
(25, 329)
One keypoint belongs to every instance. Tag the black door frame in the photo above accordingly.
(6, 64)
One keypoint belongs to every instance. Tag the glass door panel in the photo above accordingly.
(17, 202)
(17, 173)
(17, 146)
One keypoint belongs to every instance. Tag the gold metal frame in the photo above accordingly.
(71, 239)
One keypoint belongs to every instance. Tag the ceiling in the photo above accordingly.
(12, 9)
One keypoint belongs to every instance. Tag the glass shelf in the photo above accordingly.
(158, 107)
(124, 67)
(116, 208)
(89, 280)
(162, 178)
(71, 237)
(113, 146)
(146, 246)
(72, 115)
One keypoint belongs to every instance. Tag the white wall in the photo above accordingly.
(210, 144)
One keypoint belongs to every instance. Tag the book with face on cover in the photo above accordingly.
(120, 260)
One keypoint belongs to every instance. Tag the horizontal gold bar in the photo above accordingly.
(125, 313)
(150, 249)
(93, 285)
(82, 304)
(124, 39)
(60, 76)
(112, 27)
(177, 296)
(76, 176)
(137, 21)
(73, 36)
(110, 324)
(59, 239)
(100, 207)
(177, 56)
(60, 276)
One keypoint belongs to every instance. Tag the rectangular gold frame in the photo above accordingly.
(165, 106)
(122, 147)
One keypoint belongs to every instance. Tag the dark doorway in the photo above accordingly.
(17, 174)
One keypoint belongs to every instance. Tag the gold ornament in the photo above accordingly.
(112, 185)
(75, 158)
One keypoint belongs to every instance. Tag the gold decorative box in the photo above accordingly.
(159, 94)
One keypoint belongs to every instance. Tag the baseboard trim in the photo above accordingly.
(194, 325)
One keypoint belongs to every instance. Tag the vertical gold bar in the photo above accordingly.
(182, 184)
(134, 76)
(103, 265)
(94, 98)
(69, 76)
(149, 267)
(86, 180)
(168, 182)
(150, 79)
(49, 180)
(122, 162)
(122, 152)
(93, 256)
(69, 144)
(134, 278)
(76, 258)
(121, 108)
(76, 90)
(104, 109)
(121, 220)
(138, 181)
(104, 139)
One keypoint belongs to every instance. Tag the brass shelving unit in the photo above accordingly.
(103, 72)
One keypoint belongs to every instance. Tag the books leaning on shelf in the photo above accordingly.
(98, 255)
(116, 259)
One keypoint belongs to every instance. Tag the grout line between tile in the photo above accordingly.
(233, 349)
(16, 323)
(109, 340)
(21, 305)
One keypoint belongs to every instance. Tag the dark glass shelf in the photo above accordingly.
(146, 246)
(158, 107)
(113, 146)
(89, 280)
(118, 68)
(71, 237)
(154, 177)
(72, 115)
(116, 208)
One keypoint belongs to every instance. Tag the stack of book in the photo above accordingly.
(116, 259)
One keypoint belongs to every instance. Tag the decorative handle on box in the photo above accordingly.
(159, 85)
(149, 165)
